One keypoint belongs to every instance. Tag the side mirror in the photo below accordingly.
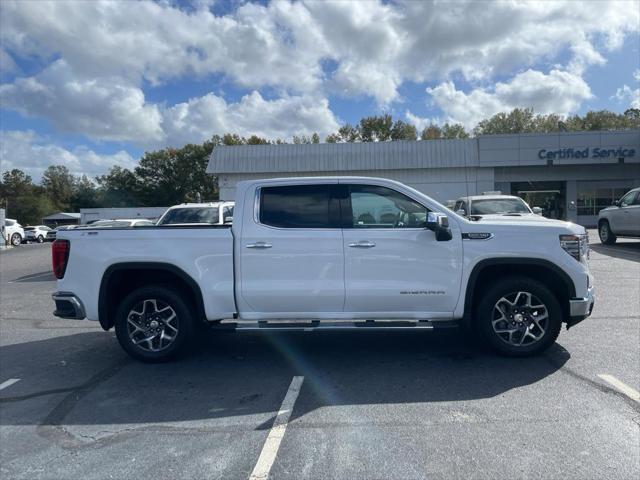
(228, 219)
(537, 210)
(439, 224)
(616, 203)
(462, 212)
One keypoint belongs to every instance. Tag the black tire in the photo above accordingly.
(607, 237)
(509, 288)
(183, 322)
(40, 239)
(16, 240)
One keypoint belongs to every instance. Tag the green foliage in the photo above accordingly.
(524, 121)
(58, 183)
(376, 129)
(23, 200)
(403, 131)
(171, 176)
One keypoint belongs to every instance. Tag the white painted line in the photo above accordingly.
(272, 443)
(8, 383)
(622, 387)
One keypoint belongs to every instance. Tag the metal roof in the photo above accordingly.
(316, 157)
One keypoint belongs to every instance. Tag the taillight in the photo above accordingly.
(59, 257)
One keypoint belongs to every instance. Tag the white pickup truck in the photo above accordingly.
(327, 253)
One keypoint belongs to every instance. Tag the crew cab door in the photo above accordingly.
(291, 255)
(394, 266)
(627, 215)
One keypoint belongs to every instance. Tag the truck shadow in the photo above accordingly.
(622, 250)
(85, 379)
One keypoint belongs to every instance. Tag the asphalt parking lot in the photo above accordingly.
(368, 405)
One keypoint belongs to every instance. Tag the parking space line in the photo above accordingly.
(8, 383)
(622, 387)
(272, 443)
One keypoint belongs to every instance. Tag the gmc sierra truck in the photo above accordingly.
(327, 253)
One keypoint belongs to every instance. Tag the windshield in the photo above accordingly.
(498, 206)
(190, 215)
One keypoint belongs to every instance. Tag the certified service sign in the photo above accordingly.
(586, 153)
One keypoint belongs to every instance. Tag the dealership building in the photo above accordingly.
(571, 175)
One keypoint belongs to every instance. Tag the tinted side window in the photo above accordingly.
(296, 206)
(380, 207)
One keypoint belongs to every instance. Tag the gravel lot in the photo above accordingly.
(371, 405)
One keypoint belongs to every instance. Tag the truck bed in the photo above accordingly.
(204, 252)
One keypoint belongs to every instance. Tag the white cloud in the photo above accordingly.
(628, 95)
(28, 152)
(420, 122)
(375, 46)
(100, 108)
(200, 118)
(559, 92)
(7, 64)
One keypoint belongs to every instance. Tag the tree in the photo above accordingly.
(346, 134)
(14, 183)
(58, 182)
(171, 176)
(517, 121)
(376, 129)
(455, 130)
(85, 194)
(403, 131)
(23, 200)
(432, 132)
(118, 188)
(255, 140)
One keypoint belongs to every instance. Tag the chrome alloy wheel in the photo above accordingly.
(604, 232)
(520, 319)
(152, 325)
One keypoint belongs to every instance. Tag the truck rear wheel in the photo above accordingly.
(518, 317)
(153, 324)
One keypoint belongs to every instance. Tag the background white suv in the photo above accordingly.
(36, 233)
(13, 232)
(622, 219)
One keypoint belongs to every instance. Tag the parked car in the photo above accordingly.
(122, 223)
(213, 213)
(622, 219)
(13, 232)
(51, 234)
(325, 253)
(479, 207)
(37, 233)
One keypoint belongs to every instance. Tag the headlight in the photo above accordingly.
(575, 245)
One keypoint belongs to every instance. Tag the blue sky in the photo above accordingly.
(95, 84)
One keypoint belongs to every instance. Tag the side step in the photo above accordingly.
(313, 326)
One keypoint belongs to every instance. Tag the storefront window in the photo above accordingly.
(592, 200)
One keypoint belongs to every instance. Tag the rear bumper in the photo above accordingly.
(580, 308)
(68, 306)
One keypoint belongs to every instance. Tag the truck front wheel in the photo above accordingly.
(518, 317)
(153, 324)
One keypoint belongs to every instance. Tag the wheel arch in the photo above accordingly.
(541, 270)
(120, 279)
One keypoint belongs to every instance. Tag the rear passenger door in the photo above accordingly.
(292, 258)
(394, 266)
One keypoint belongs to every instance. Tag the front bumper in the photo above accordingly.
(580, 308)
(68, 306)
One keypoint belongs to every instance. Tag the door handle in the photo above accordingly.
(363, 244)
(259, 245)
